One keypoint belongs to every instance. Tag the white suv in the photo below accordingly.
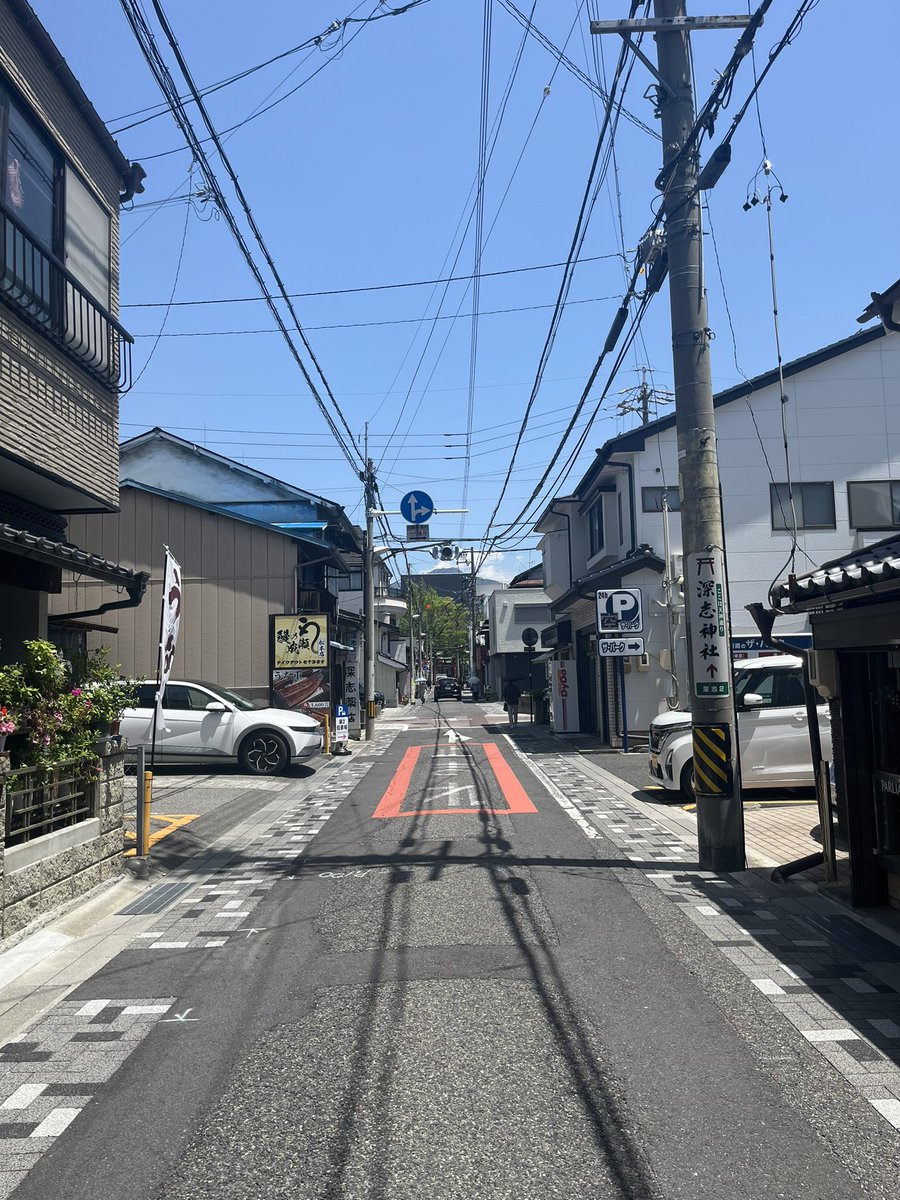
(772, 728)
(208, 723)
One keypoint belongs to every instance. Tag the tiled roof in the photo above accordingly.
(69, 558)
(863, 573)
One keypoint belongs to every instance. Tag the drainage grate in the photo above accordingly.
(156, 900)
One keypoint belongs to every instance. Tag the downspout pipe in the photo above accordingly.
(568, 537)
(135, 591)
(764, 620)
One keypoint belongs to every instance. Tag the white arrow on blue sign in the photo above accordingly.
(416, 507)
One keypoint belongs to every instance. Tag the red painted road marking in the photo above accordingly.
(513, 793)
(389, 804)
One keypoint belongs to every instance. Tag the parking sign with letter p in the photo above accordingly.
(620, 610)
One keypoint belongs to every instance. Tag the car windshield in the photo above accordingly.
(240, 702)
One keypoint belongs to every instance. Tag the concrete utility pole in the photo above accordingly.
(720, 825)
(369, 488)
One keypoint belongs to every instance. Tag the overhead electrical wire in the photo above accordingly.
(374, 287)
(489, 312)
(164, 79)
(495, 132)
(478, 242)
(704, 124)
(335, 29)
(594, 181)
(570, 66)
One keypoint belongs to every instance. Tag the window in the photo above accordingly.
(180, 697)
(652, 499)
(347, 581)
(874, 504)
(813, 505)
(531, 614)
(595, 526)
(54, 243)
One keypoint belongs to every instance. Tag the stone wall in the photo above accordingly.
(49, 872)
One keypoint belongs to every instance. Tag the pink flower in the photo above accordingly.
(46, 739)
(58, 716)
(76, 691)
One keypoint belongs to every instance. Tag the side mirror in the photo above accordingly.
(216, 706)
(753, 700)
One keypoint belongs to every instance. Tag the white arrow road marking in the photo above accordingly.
(249, 932)
(179, 1017)
(452, 736)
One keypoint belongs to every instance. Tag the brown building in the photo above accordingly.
(64, 357)
(237, 572)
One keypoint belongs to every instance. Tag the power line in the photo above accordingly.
(479, 242)
(594, 181)
(166, 83)
(375, 287)
(570, 66)
(337, 27)
(490, 312)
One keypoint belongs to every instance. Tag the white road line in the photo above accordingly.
(92, 1008)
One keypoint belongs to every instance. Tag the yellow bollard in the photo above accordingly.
(327, 747)
(145, 814)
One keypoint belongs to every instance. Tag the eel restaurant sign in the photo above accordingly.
(300, 640)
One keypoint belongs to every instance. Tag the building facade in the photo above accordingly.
(64, 358)
(839, 415)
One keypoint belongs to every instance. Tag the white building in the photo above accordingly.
(840, 416)
(510, 612)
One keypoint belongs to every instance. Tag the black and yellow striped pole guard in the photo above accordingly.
(713, 775)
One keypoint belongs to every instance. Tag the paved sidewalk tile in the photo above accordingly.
(820, 967)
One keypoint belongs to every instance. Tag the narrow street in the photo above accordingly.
(455, 961)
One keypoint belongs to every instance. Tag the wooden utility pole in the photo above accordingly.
(720, 826)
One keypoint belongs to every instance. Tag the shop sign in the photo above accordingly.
(564, 695)
(300, 641)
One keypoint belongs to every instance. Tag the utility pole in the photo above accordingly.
(642, 398)
(720, 826)
(369, 494)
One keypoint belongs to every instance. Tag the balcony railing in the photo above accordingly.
(43, 799)
(50, 299)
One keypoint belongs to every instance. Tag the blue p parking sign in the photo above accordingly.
(620, 611)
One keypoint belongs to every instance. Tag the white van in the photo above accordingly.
(772, 728)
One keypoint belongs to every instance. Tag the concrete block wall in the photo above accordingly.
(43, 875)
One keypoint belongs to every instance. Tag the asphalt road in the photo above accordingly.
(436, 982)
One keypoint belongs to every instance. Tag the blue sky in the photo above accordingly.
(362, 177)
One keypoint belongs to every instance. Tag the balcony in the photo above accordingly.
(50, 299)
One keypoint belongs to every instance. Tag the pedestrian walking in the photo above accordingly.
(474, 686)
(511, 696)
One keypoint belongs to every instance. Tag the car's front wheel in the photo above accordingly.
(687, 781)
(264, 753)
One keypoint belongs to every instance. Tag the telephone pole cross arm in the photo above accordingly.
(720, 824)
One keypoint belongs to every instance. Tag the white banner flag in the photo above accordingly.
(171, 622)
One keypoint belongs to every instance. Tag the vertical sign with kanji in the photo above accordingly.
(707, 608)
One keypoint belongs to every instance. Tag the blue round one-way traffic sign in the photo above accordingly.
(416, 507)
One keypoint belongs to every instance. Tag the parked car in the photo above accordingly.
(210, 723)
(772, 729)
(446, 688)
